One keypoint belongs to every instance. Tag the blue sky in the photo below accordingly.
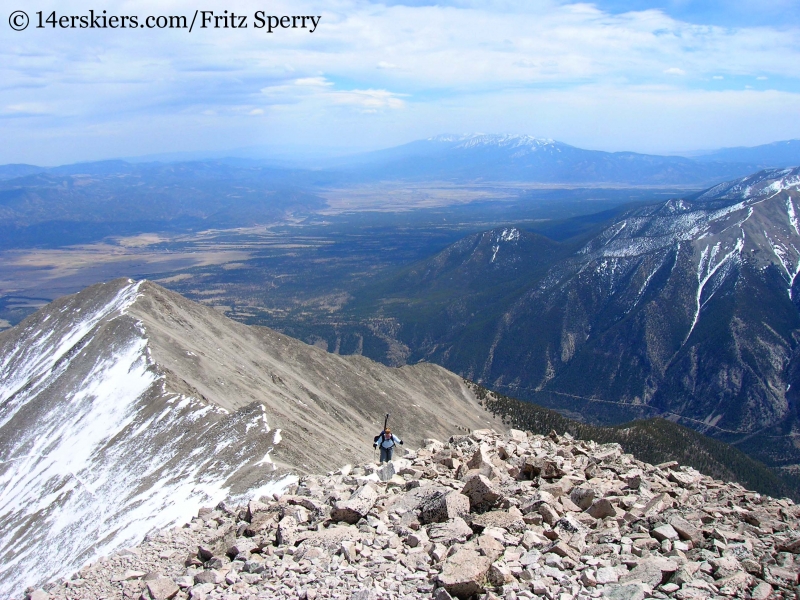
(666, 76)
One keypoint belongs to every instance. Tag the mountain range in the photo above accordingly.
(528, 159)
(126, 407)
(687, 309)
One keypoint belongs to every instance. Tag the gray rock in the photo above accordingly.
(209, 576)
(386, 471)
(582, 496)
(444, 506)
(449, 533)
(627, 591)
(357, 506)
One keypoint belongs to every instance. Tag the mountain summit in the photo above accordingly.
(126, 407)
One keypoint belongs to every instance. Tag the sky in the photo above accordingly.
(657, 77)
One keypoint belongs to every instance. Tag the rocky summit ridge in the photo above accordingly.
(483, 515)
(126, 407)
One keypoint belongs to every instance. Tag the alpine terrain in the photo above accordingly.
(126, 407)
(686, 309)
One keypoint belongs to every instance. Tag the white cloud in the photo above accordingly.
(369, 65)
(368, 99)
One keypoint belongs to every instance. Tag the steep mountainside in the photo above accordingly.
(687, 309)
(526, 158)
(125, 407)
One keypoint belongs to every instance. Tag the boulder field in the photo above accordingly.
(484, 515)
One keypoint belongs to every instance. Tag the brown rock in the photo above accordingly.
(490, 547)
(508, 520)
(602, 508)
(162, 588)
(481, 492)
(464, 573)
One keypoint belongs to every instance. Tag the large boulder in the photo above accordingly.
(356, 507)
(464, 573)
(454, 531)
(444, 506)
(481, 492)
(510, 520)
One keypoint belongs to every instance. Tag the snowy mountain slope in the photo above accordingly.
(686, 309)
(126, 407)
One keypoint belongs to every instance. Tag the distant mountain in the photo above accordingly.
(13, 171)
(126, 407)
(530, 159)
(776, 154)
(686, 309)
(88, 201)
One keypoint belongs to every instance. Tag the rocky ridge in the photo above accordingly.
(488, 515)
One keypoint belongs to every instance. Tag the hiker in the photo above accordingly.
(387, 441)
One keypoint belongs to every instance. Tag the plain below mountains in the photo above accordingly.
(88, 201)
(687, 309)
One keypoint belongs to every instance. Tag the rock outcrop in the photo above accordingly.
(589, 522)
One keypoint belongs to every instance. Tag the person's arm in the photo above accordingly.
(397, 440)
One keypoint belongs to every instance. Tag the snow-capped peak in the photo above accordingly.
(475, 140)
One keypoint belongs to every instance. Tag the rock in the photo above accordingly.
(533, 503)
(38, 594)
(606, 575)
(582, 496)
(652, 571)
(500, 574)
(549, 514)
(664, 532)
(490, 547)
(510, 520)
(544, 468)
(357, 507)
(209, 576)
(684, 536)
(464, 573)
(449, 533)
(441, 594)
(444, 506)
(162, 588)
(386, 471)
(481, 492)
(686, 530)
(602, 508)
(627, 591)
(682, 478)
(761, 592)
(254, 507)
